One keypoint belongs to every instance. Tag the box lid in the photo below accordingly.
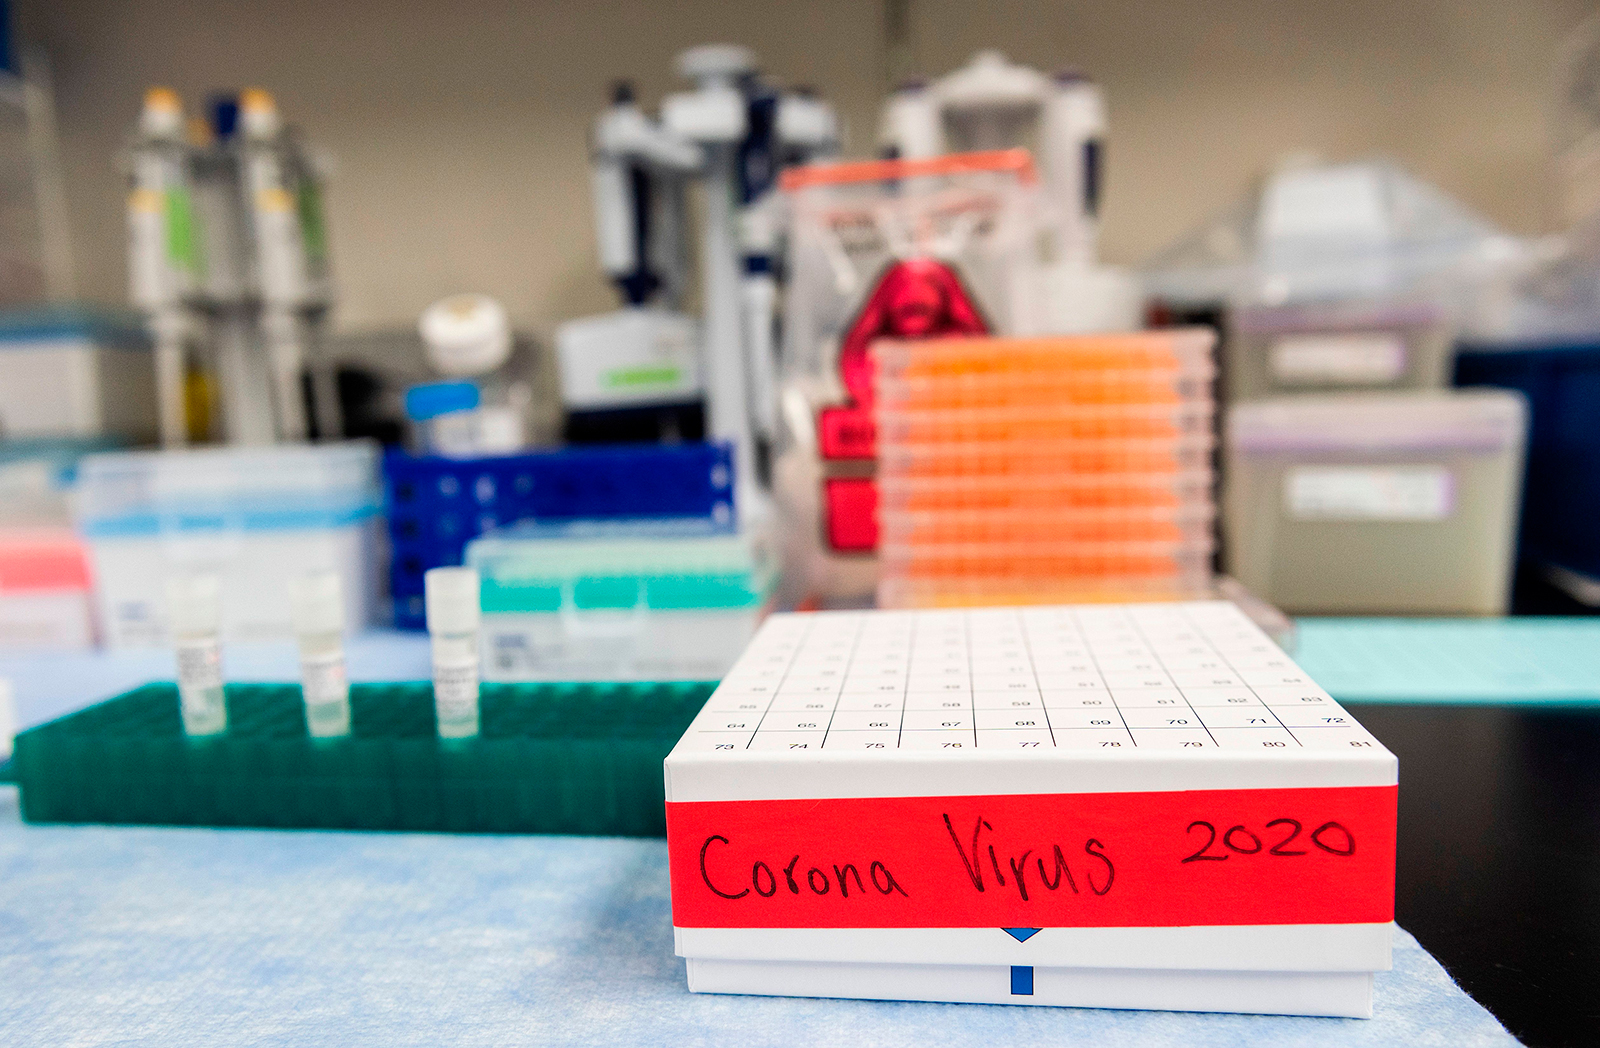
(249, 488)
(22, 327)
(1473, 419)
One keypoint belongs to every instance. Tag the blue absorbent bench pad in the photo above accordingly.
(122, 936)
(1500, 661)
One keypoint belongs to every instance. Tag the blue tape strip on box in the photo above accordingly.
(297, 513)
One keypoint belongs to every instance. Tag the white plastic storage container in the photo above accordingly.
(630, 601)
(1336, 346)
(255, 516)
(1376, 503)
(72, 372)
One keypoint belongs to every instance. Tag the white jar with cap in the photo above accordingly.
(453, 610)
(468, 337)
(194, 608)
(316, 605)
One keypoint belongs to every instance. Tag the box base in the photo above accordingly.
(1344, 994)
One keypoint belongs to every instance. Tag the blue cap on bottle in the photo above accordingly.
(224, 115)
(432, 399)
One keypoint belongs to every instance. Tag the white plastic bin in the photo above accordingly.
(1376, 503)
(74, 372)
(1331, 347)
(255, 516)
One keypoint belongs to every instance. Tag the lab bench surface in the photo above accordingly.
(269, 938)
(182, 936)
(1498, 866)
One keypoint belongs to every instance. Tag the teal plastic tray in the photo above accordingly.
(550, 758)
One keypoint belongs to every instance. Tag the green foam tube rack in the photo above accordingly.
(550, 758)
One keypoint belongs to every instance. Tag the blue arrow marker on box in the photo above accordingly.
(1021, 934)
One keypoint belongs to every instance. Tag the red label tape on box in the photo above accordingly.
(1151, 859)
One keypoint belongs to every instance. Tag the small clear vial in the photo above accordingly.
(451, 596)
(316, 606)
(194, 607)
(8, 718)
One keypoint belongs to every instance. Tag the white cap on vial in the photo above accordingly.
(451, 596)
(162, 115)
(194, 603)
(258, 114)
(316, 603)
(466, 334)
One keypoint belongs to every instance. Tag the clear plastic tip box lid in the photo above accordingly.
(288, 486)
(1311, 231)
(618, 600)
(660, 564)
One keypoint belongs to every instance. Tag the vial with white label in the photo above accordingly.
(194, 607)
(451, 596)
(316, 606)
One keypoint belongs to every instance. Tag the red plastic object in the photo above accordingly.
(847, 433)
(915, 298)
(34, 560)
(852, 505)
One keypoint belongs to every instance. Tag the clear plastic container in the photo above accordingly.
(1042, 422)
(1181, 351)
(248, 514)
(1349, 346)
(1315, 232)
(1023, 457)
(1141, 368)
(1045, 388)
(896, 591)
(1189, 523)
(914, 247)
(642, 600)
(1047, 491)
(1046, 560)
(1377, 503)
(979, 212)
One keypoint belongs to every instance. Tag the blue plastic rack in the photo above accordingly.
(437, 505)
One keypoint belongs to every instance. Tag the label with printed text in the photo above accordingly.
(1421, 493)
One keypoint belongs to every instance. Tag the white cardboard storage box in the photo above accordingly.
(1136, 806)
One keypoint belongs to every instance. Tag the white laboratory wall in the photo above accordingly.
(460, 128)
